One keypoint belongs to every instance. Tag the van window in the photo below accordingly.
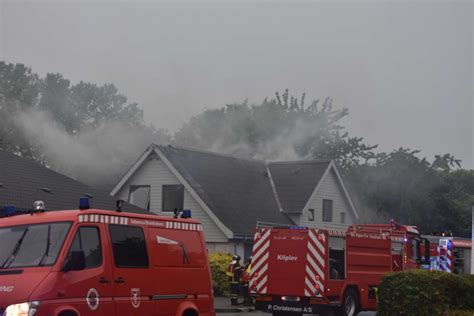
(129, 246)
(87, 239)
(172, 248)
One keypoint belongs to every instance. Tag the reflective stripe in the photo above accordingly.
(316, 254)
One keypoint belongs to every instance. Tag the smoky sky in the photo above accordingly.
(403, 68)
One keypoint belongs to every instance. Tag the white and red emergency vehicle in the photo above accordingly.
(95, 262)
(301, 270)
(450, 254)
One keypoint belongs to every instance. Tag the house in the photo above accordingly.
(230, 196)
(22, 182)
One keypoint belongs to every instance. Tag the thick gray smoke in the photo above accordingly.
(97, 157)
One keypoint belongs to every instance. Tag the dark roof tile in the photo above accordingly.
(22, 182)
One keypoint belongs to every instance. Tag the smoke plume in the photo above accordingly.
(97, 157)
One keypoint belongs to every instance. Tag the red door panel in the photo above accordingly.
(89, 291)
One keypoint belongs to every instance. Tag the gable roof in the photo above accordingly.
(295, 181)
(22, 182)
(237, 193)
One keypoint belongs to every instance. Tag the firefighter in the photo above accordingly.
(234, 272)
(245, 282)
(232, 267)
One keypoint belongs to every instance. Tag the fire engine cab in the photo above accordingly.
(303, 270)
(96, 262)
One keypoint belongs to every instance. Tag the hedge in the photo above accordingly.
(419, 292)
(220, 281)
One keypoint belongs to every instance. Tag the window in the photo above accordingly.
(31, 245)
(337, 265)
(311, 214)
(327, 210)
(414, 249)
(129, 246)
(172, 198)
(87, 239)
(343, 218)
(140, 196)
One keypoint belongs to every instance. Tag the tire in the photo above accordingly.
(234, 301)
(350, 304)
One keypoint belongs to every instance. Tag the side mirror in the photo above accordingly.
(427, 251)
(76, 261)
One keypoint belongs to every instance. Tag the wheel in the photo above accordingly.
(234, 301)
(350, 304)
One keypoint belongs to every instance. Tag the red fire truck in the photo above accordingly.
(300, 270)
(95, 262)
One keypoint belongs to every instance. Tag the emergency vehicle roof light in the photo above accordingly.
(297, 227)
(84, 203)
(38, 206)
(186, 214)
(9, 210)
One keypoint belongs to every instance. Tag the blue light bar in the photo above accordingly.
(186, 214)
(84, 203)
(9, 210)
(298, 227)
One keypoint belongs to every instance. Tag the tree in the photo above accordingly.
(279, 128)
(19, 91)
(93, 105)
(432, 196)
(56, 100)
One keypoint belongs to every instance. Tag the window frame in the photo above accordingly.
(342, 217)
(327, 212)
(134, 186)
(163, 197)
(100, 244)
(144, 241)
(311, 216)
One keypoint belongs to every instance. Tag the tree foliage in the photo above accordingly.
(75, 108)
(412, 190)
(19, 91)
(279, 128)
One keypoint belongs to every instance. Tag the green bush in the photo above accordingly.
(220, 281)
(421, 293)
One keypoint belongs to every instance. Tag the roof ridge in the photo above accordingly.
(304, 162)
(213, 153)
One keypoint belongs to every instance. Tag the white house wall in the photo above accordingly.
(155, 173)
(329, 189)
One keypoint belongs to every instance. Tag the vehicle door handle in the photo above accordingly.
(120, 280)
(103, 280)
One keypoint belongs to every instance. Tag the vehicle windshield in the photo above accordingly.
(31, 245)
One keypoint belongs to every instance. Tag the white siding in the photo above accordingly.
(329, 189)
(155, 173)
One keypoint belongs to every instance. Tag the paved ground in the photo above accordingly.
(223, 308)
(265, 314)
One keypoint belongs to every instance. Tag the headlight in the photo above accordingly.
(22, 309)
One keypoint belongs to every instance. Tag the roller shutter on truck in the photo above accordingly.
(295, 258)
